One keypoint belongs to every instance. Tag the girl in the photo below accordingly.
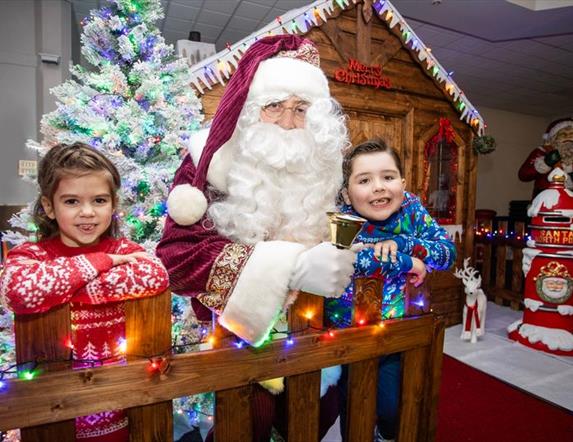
(78, 259)
(407, 241)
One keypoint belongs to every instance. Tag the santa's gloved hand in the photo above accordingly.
(552, 157)
(323, 270)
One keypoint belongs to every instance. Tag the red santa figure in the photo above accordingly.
(548, 266)
(556, 151)
(247, 225)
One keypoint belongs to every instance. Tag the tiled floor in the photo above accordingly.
(334, 434)
(542, 374)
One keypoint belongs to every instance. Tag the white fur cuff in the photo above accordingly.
(329, 376)
(540, 165)
(275, 386)
(261, 291)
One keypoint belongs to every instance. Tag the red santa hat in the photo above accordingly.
(556, 126)
(273, 67)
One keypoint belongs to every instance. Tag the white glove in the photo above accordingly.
(323, 270)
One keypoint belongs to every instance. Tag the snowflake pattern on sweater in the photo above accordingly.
(40, 276)
(416, 234)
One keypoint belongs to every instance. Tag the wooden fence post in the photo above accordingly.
(516, 268)
(414, 366)
(429, 416)
(148, 332)
(486, 266)
(363, 375)
(303, 390)
(43, 336)
(501, 254)
(233, 415)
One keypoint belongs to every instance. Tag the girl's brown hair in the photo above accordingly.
(71, 160)
(370, 146)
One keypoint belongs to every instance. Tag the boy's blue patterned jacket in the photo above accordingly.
(417, 235)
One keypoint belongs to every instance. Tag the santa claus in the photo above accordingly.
(247, 226)
(556, 151)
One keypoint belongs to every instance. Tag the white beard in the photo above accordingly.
(565, 149)
(280, 185)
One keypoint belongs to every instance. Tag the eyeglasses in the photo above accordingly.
(275, 110)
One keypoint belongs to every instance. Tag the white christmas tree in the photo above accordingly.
(135, 104)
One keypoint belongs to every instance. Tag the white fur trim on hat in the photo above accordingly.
(186, 204)
(220, 163)
(282, 77)
(558, 127)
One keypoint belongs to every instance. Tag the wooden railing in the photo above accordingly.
(46, 406)
(500, 261)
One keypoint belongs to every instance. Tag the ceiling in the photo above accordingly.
(502, 55)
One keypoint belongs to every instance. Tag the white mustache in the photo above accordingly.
(277, 147)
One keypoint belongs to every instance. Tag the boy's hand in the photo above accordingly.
(385, 248)
(128, 259)
(418, 272)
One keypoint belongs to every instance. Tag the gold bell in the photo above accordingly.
(344, 228)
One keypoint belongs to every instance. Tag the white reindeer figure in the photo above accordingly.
(473, 323)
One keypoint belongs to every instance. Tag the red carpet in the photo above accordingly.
(477, 407)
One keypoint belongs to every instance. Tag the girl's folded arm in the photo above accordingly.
(31, 283)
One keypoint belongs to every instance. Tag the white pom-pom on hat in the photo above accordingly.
(186, 204)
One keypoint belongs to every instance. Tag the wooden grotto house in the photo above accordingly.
(390, 86)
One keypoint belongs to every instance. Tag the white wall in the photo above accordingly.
(516, 136)
(27, 27)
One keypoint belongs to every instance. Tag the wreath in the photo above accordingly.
(484, 144)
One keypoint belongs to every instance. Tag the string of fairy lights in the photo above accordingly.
(159, 362)
(496, 234)
(218, 67)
